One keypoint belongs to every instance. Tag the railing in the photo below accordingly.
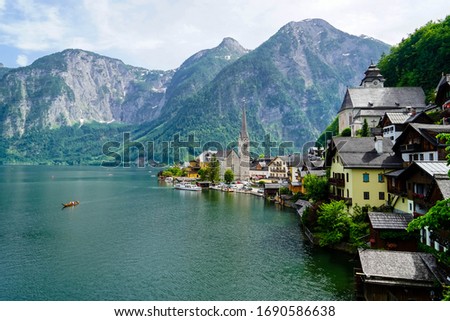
(347, 200)
(337, 182)
(410, 148)
(397, 191)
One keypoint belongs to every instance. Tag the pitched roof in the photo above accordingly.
(390, 221)
(386, 97)
(444, 186)
(360, 152)
(396, 265)
(395, 173)
(398, 118)
(427, 131)
(434, 167)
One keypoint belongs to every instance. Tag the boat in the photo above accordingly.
(187, 187)
(70, 204)
(168, 179)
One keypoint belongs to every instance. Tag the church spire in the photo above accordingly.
(244, 133)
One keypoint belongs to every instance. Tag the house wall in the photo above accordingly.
(357, 187)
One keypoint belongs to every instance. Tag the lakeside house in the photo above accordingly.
(399, 275)
(357, 168)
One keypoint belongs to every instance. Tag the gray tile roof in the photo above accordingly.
(434, 167)
(389, 221)
(396, 265)
(444, 186)
(398, 118)
(360, 152)
(387, 97)
(395, 173)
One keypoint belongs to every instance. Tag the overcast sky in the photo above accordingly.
(161, 34)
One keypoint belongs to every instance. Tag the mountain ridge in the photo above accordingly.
(291, 86)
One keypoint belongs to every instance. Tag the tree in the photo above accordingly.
(437, 218)
(228, 176)
(365, 132)
(316, 187)
(346, 132)
(333, 223)
(213, 170)
(203, 172)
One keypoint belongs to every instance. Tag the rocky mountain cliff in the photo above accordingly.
(76, 86)
(291, 86)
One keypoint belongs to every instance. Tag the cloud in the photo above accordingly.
(31, 26)
(162, 34)
(22, 60)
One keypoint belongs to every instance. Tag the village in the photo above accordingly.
(388, 159)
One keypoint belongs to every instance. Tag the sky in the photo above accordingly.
(162, 34)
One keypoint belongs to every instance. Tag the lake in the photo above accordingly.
(133, 238)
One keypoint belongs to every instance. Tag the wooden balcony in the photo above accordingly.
(347, 200)
(337, 182)
(410, 148)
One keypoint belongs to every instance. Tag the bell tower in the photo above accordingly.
(373, 78)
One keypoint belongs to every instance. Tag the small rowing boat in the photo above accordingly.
(70, 204)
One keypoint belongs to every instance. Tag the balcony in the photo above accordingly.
(410, 148)
(337, 182)
(347, 200)
(397, 191)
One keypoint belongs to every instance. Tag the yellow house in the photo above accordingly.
(357, 169)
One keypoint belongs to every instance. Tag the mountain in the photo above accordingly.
(291, 87)
(77, 87)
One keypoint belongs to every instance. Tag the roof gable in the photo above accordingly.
(386, 97)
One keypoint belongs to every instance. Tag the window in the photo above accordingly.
(380, 178)
(421, 156)
(366, 177)
(366, 195)
(347, 177)
(381, 196)
(431, 156)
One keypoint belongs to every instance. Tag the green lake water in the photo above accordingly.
(132, 238)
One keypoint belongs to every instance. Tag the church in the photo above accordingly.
(238, 162)
(371, 100)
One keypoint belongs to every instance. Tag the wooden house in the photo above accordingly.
(388, 231)
(399, 276)
(418, 142)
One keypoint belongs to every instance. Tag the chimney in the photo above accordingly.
(379, 144)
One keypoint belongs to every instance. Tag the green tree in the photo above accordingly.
(365, 132)
(419, 59)
(316, 187)
(228, 176)
(346, 132)
(333, 223)
(437, 218)
(214, 170)
(203, 172)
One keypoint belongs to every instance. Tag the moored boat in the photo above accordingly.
(187, 187)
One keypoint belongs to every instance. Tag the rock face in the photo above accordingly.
(76, 86)
(291, 86)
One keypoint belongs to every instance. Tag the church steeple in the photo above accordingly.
(244, 149)
(244, 134)
(373, 78)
